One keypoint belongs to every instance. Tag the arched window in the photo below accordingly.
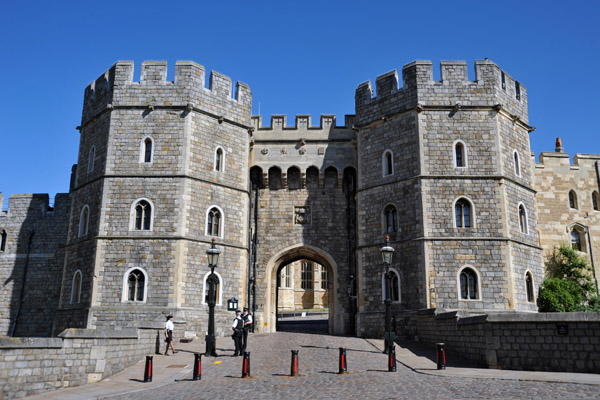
(460, 154)
(84, 218)
(517, 163)
(274, 178)
(331, 177)
(391, 219)
(219, 159)
(143, 216)
(147, 150)
(523, 225)
(529, 287)
(214, 222)
(76, 287)
(387, 163)
(218, 294)
(134, 285)
(578, 239)
(595, 200)
(573, 199)
(91, 159)
(394, 288)
(256, 177)
(293, 178)
(3, 239)
(469, 286)
(312, 177)
(463, 213)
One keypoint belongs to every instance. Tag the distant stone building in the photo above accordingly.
(568, 201)
(302, 285)
(442, 167)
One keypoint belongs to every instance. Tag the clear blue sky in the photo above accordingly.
(300, 57)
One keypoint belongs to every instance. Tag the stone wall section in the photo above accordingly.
(29, 214)
(30, 366)
(562, 342)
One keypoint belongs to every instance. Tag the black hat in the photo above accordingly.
(237, 312)
(169, 317)
(245, 309)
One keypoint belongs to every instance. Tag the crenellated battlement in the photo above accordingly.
(116, 88)
(33, 205)
(492, 87)
(303, 128)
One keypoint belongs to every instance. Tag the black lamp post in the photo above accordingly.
(387, 252)
(211, 340)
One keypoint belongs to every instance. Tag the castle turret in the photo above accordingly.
(163, 168)
(444, 169)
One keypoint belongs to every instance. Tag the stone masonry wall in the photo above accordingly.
(562, 342)
(27, 214)
(30, 366)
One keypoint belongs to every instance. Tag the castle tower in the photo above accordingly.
(444, 169)
(162, 169)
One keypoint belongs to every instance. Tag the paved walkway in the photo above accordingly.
(367, 376)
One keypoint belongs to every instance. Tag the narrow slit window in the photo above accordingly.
(462, 211)
(529, 287)
(219, 160)
(573, 200)
(147, 150)
(84, 218)
(213, 225)
(76, 290)
(388, 163)
(3, 240)
(391, 219)
(517, 164)
(522, 219)
(460, 154)
(91, 159)
(143, 216)
(518, 90)
(595, 200)
(503, 77)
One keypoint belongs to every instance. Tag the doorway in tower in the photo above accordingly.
(303, 297)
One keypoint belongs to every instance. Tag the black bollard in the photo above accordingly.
(294, 367)
(246, 365)
(441, 356)
(343, 362)
(197, 367)
(392, 359)
(148, 369)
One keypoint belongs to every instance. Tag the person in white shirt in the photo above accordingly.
(169, 334)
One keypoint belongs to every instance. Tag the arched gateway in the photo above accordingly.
(286, 256)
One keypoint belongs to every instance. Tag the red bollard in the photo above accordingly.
(343, 362)
(148, 369)
(392, 359)
(246, 365)
(441, 356)
(294, 368)
(197, 367)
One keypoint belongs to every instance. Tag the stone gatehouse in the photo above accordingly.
(442, 167)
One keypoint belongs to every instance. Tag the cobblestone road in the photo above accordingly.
(318, 356)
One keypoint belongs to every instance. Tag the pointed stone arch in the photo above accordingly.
(267, 321)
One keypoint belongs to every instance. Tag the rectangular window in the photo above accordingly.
(306, 276)
(503, 80)
(518, 90)
(323, 278)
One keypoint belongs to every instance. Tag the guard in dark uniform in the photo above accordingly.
(237, 327)
(247, 325)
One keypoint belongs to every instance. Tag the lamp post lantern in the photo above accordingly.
(387, 252)
(211, 341)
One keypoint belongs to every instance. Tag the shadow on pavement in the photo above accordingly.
(429, 352)
(299, 325)
(336, 348)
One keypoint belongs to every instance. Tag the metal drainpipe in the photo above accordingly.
(590, 231)
(21, 295)
(250, 256)
(256, 197)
